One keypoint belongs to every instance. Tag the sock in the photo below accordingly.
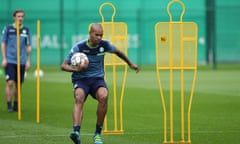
(15, 105)
(76, 128)
(9, 105)
(98, 129)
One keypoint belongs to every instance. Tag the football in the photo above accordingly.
(36, 73)
(79, 59)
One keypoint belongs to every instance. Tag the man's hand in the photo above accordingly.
(4, 63)
(28, 65)
(134, 67)
(79, 68)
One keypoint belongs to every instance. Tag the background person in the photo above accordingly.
(9, 56)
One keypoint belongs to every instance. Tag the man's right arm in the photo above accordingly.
(66, 67)
(3, 46)
(4, 58)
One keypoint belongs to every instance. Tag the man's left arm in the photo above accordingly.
(29, 51)
(126, 59)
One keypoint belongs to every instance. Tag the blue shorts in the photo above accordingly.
(89, 85)
(11, 72)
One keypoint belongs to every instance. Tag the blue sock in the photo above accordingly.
(9, 105)
(76, 128)
(15, 105)
(98, 129)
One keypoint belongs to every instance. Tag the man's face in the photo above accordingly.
(96, 36)
(19, 17)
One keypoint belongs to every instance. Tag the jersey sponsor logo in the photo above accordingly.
(86, 51)
(11, 30)
(99, 54)
(23, 35)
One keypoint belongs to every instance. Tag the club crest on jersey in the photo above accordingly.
(24, 31)
(101, 51)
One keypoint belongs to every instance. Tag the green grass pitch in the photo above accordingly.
(215, 111)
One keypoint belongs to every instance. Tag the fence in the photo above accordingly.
(66, 22)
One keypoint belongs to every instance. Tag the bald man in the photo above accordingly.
(90, 81)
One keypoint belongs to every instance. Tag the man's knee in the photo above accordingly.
(10, 83)
(79, 95)
(102, 95)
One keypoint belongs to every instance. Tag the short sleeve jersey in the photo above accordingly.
(9, 38)
(95, 56)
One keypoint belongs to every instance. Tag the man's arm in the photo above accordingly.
(29, 51)
(3, 46)
(4, 58)
(66, 67)
(121, 55)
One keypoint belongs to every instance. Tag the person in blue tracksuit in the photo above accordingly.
(9, 57)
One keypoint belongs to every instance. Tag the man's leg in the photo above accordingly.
(15, 102)
(22, 77)
(102, 97)
(77, 115)
(9, 86)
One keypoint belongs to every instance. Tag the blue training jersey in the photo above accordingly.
(10, 39)
(95, 56)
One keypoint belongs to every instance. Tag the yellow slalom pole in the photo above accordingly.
(38, 74)
(115, 97)
(18, 70)
(182, 85)
(114, 83)
(171, 82)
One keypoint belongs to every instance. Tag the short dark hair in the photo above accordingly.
(18, 11)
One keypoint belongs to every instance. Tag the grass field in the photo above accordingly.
(215, 115)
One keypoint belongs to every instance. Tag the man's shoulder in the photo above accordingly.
(8, 29)
(25, 28)
(105, 43)
(81, 43)
(9, 26)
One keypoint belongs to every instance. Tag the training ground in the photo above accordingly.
(215, 114)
